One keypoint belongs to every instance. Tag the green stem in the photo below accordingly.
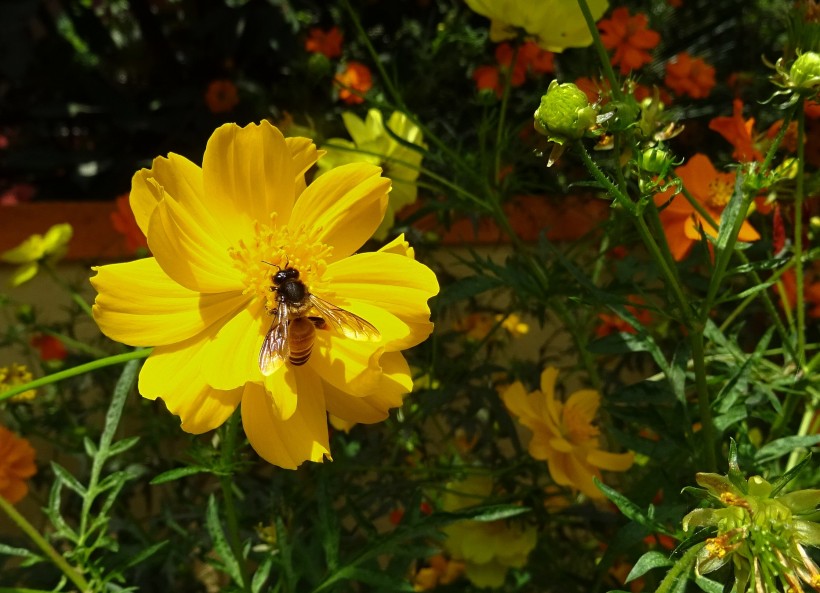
(75, 371)
(603, 56)
(225, 481)
(798, 240)
(75, 296)
(69, 571)
(580, 344)
(704, 402)
(499, 136)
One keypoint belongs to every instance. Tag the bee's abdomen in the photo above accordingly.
(300, 340)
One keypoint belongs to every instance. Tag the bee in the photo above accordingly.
(293, 331)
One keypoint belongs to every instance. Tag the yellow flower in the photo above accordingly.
(13, 375)
(553, 24)
(206, 300)
(16, 465)
(373, 144)
(513, 324)
(564, 434)
(490, 548)
(37, 249)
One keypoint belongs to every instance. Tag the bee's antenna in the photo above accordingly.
(273, 265)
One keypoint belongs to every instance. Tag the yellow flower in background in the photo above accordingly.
(554, 25)
(488, 548)
(373, 144)
(14, 375)
(16, 465)
(513, 324)
(564, 434)
(35, 250)
(207, 299)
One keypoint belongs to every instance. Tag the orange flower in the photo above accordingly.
(354, 81)
(539, 61)
(681, 222)
(518, 72)
(488, 78)
(789, 138)
(812, 109)
(811, 293)
(738, 132)
(124, 223)
(16, 465)
(595, 88)
(612, 323)
(50, 348)
(629, 37)
(675, 3)
(221, 96)
(324, 42)
(686, 75)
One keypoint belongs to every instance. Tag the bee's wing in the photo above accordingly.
(345, 322)
(274, 351)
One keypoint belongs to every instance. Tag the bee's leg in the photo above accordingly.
(318, 322)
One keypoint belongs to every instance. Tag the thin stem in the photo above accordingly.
(502, 116)
(603, 56)
(704, 403)
(226, 456)
(798, 240)
(75, 296)
(69, 571)
(580, 344)
(75, 371)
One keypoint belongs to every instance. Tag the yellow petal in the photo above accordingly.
(388, 280)
(516, 400)
(188, 252)
(580, 475)
(282, 390)
(248, 173)
(138, 304)
(24, 273)
(232, 356)
(347, 204)
(29, 250)
(399, 246)
(174, 373)
(614, 462)
(553, 407)
(348, 365)
(287, 443)
(561, 445)
(373, 408)
(303, 154)
(581, 407)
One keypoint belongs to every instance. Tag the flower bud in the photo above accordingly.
(656, 160)
(805, 71)
(565, 113)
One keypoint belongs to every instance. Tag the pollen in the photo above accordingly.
(720, 191)
(716, 546)
(275, 248)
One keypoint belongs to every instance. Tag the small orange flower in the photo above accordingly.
(789, 138)
(612, 324)
(739, 133)
(50, 348)
(811, 293)
(681, 222)
(629, 37)
(124, 223)
(221, 96)
(686, 75)
(811, 109)
(504, 55)
(539, 61)
(595, 88)
(488, 78)
(354, 82)
(16, 465)
(326, 42)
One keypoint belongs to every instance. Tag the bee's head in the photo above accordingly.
(284, 275)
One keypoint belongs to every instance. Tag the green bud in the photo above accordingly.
(565, 113)
(655, 160)
(805, 71)
(319, 65)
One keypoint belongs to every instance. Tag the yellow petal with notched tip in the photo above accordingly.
(287, 443)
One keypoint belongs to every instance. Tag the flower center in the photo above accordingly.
(720, 192)
(275, 248)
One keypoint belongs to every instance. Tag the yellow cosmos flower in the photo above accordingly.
(554, 25)
(564, 434)
(373, 144)
(14, 375)
(35, 250)
(206, 300)
(488, 548)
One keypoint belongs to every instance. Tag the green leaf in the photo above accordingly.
(143, 555)
(176, 474)
(647, 562)
(220, 543)
(372, 577)
(486, 514)
(21, 552)
(122, 446)
(736, 477)
(260, 577)
(70, 481)
(783, 480)
(629, 508)
(785, 446)
(708, 585)
(466, 288)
